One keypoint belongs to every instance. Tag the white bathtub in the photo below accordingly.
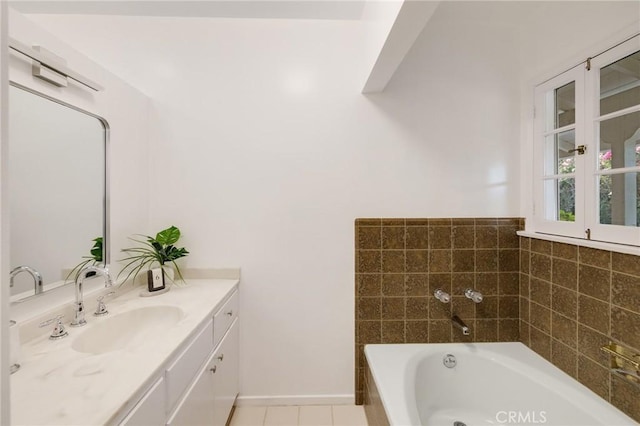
(491, 384)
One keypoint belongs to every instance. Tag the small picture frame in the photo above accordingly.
(155, 279)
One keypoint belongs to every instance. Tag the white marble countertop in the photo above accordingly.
(57, 385)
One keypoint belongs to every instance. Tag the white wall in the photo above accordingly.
(378, 17)
(279, 153)
(265, 152)
(127, 112)
(4, 223)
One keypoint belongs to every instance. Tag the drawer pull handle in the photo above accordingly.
(213, 369)
(230, 313)
(221, 357)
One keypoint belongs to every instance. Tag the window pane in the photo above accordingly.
(560, 199)
(565, 105)
(620, 199)
(620, 142)
(620, 84)
(558, 158)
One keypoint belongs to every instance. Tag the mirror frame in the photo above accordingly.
(106, 244)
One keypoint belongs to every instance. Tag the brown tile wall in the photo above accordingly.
(399, 264)
(573, 300)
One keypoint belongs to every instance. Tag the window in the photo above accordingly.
(587, 149)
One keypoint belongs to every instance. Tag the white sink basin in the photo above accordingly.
(116, 332)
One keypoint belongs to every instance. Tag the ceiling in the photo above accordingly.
(265, 9)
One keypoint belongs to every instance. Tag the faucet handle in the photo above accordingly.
(474, 295)
(442, 296)
(102, 308)
(58, 331)
(111, 293)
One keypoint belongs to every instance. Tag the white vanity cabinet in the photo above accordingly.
(210, 398)
(181, 372)
(226, 377)
(199, 385)
(151, 408)
(196, 408)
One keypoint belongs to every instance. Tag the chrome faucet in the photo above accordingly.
(78, 319)
(458, 323)
(37, 278)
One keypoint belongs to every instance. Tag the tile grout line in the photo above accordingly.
(381, 272)
(498, 278)
(577, 325)
(529, 325)
(610, 375)
(551, 278)
(404, 279)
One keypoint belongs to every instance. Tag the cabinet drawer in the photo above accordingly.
(150, 410)
(225, 316)
(181, 373)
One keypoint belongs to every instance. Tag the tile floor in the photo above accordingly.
(305, 415)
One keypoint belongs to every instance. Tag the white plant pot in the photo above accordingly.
(169, 274)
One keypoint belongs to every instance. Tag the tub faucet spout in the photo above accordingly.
(458, 323)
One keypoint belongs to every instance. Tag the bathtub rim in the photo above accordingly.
(393, 385)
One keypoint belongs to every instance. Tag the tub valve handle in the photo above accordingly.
(474, 295)
(442, 296)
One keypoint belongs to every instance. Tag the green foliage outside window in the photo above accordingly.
(566, 189)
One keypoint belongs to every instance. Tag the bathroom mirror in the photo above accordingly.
(57, 188)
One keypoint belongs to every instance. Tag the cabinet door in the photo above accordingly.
(196, 408)
(226, 377)
(210, 398)
(185, 368)
(150, 411)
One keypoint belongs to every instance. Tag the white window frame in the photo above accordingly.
(587, 121)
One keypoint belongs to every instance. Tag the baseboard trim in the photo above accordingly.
(244, 401)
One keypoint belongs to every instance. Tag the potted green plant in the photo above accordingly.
(95, 258)
(159, 250)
